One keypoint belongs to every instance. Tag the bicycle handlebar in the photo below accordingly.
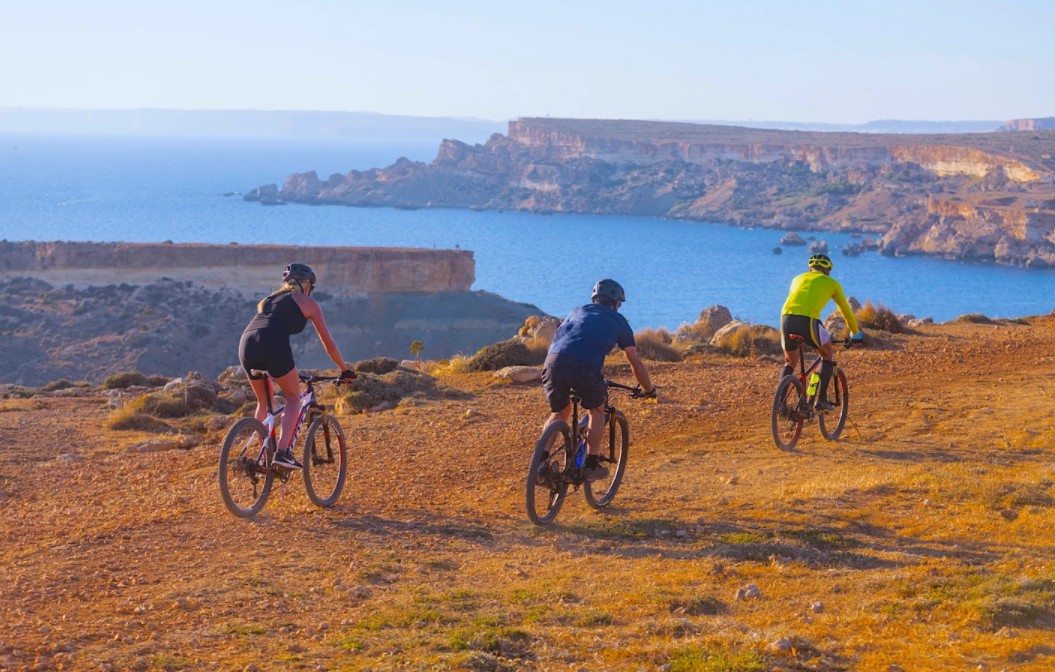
(635, 392)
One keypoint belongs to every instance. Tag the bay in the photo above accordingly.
(149, 189)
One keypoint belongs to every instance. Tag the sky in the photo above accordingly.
(842, 62)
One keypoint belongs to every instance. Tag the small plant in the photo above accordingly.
(60, 384)
(751, 340)
(703, 660)
(973, 318)
(416, 348)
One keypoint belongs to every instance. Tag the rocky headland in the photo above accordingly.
(979, 197)
(83, 311)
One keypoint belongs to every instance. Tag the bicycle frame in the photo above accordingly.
(307, 402)
(804, 376)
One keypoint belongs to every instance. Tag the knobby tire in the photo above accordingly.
(616, 449)
(562, 456)
(235, 440)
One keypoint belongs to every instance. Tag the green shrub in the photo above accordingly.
(129, 419)
(378, 365)
(506, 353)
(657, 345)
(973, 318)
(124, 380)
(157, 381)
(60, 384)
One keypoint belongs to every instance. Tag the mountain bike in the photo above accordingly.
(560, 454)
(246, 470)
(794, 403)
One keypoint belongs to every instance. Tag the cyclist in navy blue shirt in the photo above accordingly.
(576, 358)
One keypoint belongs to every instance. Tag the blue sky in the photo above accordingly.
(795, 61)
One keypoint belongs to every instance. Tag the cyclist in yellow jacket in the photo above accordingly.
(801, 316)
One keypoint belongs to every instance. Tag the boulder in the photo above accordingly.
(411, 364)
(778, 250)
(855, 305)
(540, 328)
(792, 239)
(916, 324)
(716, 317)
(519, 374)
(905, 318)
(721, 333)
(835, 324)
(819, 247)
(869, 244)
(852, 250)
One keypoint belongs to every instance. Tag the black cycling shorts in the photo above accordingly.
(802, 325)
(563, 374)
(258, 350)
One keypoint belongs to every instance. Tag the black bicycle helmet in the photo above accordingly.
(608, 290)
(821, 261)
(299, 272)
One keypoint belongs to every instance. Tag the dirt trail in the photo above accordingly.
(117, 560)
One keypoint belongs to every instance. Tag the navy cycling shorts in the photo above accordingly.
(564, 374)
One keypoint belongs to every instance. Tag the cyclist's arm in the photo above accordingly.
(844, 308)
(313, 311)
(638, 368)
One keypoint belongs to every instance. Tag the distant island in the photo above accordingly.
(976, 196)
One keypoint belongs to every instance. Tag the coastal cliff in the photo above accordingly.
(810, 181)
(83, 311)
(249, 269)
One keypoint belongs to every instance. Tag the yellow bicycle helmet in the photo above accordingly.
(822, 261)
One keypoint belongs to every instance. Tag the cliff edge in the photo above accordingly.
(791, 180)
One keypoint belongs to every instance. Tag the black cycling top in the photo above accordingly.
(281, 316)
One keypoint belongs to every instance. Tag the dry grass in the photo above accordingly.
(513, 352)
(427, 562)
(131, 419)
(699, 331)
(120, 381)
(657, 345)
(751, 340)
(879, 316)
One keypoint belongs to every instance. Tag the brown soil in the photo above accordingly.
(123, 560)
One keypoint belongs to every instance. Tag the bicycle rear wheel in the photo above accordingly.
(546, 488)
(613, 456)
(245, 482)
(786, 415)
(325, 461)
(840, 399)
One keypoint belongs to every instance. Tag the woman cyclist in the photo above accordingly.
(265, 347)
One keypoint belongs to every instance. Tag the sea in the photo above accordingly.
(152, 189)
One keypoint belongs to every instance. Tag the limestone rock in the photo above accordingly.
(153, 446)
(782, 645)
(411, 364)
(519, 374)
(716, 317)
(792, 239)
(778, 250)
(819, 247)
(748, 592)
(1008, 514)
(724, 331)
(232, 374)
(916, 324)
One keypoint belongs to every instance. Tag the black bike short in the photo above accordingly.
(563, 374)
(802, 325)
(263, 352)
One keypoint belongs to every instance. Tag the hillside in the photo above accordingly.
(921, 541)
(906, 187)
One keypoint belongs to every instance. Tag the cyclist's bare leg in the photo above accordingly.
(791, 358)
(827, 352)
(564, 415)
(596, 432)
(290, 386)
(260, 390)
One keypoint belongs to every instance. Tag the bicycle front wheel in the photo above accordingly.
(786, 415)
(546, 488)
(325, 461)
(245, 481)
(840, 399)
(601, 492)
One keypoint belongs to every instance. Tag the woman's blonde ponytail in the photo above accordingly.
(287, 289)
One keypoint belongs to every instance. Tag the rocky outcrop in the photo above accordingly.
(249, 269)
(170, 326)
(788, 180)
(1041, 124)
(1009, 233)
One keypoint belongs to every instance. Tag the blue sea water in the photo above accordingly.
(140, 189)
